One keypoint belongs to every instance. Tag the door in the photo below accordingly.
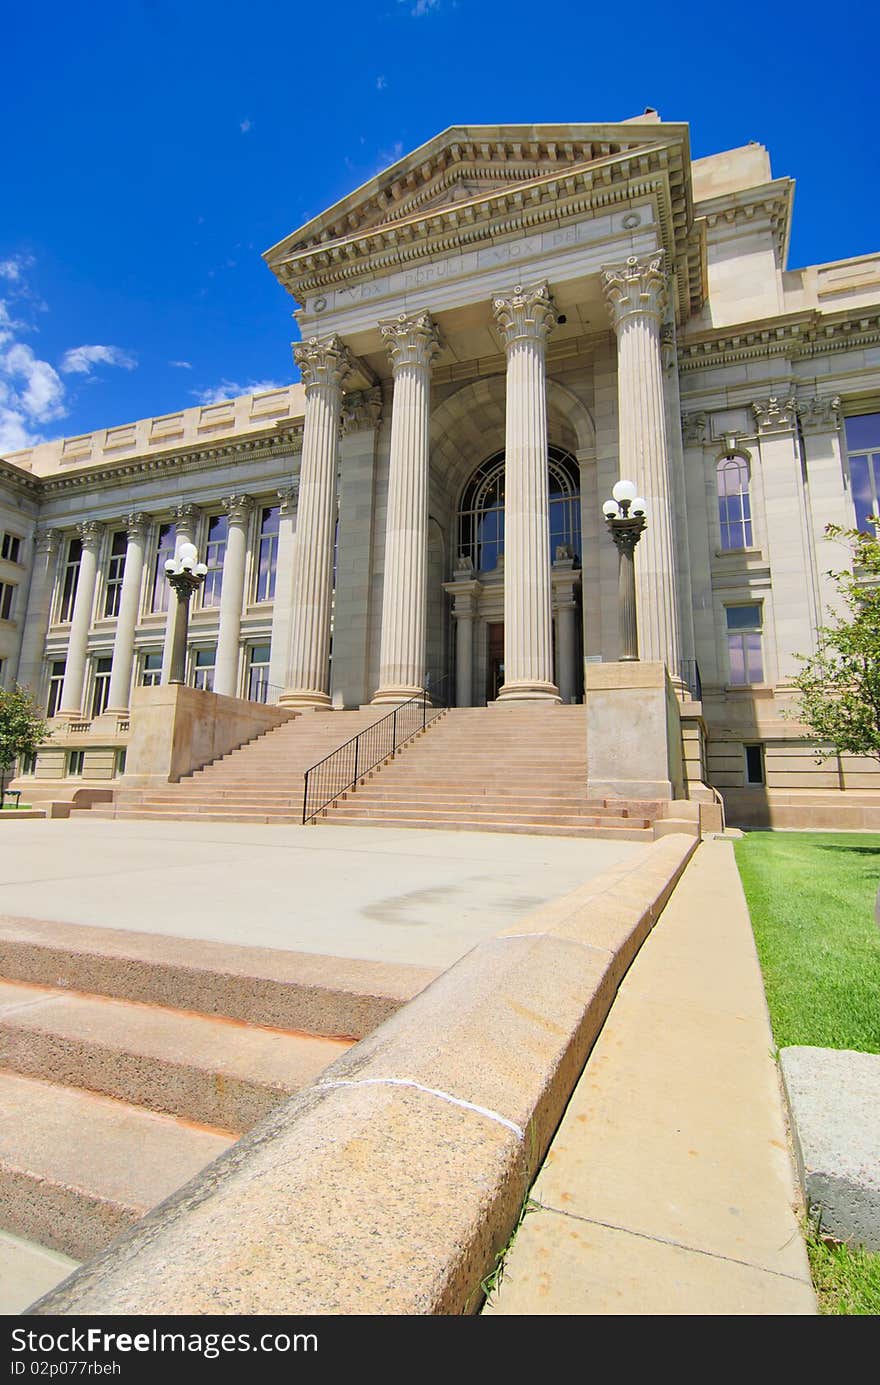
(494, 660)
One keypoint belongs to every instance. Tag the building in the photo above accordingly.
(494, 330)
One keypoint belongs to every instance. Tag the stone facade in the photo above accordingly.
(494, 330)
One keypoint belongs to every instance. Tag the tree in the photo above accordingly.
(839, 685)
(22, 730)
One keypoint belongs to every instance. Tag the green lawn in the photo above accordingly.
(847, 1279)
(811, 897)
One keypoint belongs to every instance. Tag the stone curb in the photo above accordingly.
(390, 1185)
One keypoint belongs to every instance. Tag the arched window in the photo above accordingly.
(734, 504)
(481, 515)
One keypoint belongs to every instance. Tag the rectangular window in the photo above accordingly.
(103, 667)
(215, 553)
(56, 683)
(10, 548)
(115, 572)
(27, 764)
(744, 644)
(203, 669)
(75, 762)
(164, 551)
(863, 450)
(120, 761)
(70, 579)
(734, 503)
(152, 671)
(754, 763)
(268, 555)
(258, 673)
(7, 596)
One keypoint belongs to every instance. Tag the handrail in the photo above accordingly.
(339, 771)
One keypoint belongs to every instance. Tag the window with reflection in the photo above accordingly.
(267, 558)
(734, 502)
(102, 669)
(204, 662)
(70, 579)
(164, 551)
(745, 657)
(151, 673)
(863, 451)
(215, 553)
(258, 672)
(115, 573)
(481, 516)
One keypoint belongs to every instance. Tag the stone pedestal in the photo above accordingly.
(634, 745)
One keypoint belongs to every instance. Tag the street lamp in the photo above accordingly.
(185, 573)
(625, 517)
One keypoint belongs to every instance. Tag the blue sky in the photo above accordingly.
(154, 148)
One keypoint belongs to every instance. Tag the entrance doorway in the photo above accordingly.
(494, 660)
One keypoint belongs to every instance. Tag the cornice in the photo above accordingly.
(773, 199)
(24, 481)
(795, 336)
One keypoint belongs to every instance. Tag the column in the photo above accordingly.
(324, 366)
(412, 343)
(39, 607)
(565, 584)
(279, 659)
(465, 591)
(186, 518)
(526, 317)
(138, 525)
(637, 297)
(356, 602)
(238, 508)
(829, 499)
(75, 672)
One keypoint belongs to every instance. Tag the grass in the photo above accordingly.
(811, 898)
(846, 1278)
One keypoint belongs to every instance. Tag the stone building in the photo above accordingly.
(494, 330)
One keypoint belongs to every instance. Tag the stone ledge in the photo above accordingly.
(389, 1185)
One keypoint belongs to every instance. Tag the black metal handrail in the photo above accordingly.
(343, 767)
(689, 672)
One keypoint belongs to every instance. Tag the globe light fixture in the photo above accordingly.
(625, 516)
(185, 575)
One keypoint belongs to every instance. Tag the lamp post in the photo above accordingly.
(185, 574)
(625, 517)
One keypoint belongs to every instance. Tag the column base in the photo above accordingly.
(305, 697)
(394, 696)
(526, 690)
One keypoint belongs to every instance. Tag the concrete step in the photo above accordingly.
(616, 834)
(215, 1071)
(76, 1168)
(415, 815)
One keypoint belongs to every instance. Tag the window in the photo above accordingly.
(863, 450)
(120, 761)
(75, 763)
(754, 763)
(7, 596)
(734, 504)
(203, 669)
(152, 671)
(56, 684)
(215, 552)
(481, 516)
(70, 579)
(28, 764)
(258, 673)
(103, 667)
(268, 554)
(744, 644)
(164, 551)
(115, 573)
(10, 548)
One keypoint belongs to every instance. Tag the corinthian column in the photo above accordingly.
(412, 343)
(36, 621)
(75, 670)
(324, 366)
(526, 317)
(637, 298)
(238, 508)
(129, 601)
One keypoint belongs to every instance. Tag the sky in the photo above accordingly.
(153, 149)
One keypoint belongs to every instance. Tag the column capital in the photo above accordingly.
(695, 427)
(136, 524)
(323, 361)
(775, 414)
(362, 410)
(636, 288)
(237, 507)
(525, 314)
(287, 497)
(186, 516)
(90, 531)
(821, 414)
(410, 339)
(46, 540)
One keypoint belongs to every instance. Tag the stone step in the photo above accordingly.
(617, 834)
(215, 1071)
(525, 817)
(76, 1168)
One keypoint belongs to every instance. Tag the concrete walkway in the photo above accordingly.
(377, 893)
(668, 1188)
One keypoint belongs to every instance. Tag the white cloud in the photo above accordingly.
(245, 125)
(81, 360)
(230, 389)
(181, 365)
(381, 83)
(417, 8)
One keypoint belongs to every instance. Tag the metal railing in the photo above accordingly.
(689, 673)
(344, 767)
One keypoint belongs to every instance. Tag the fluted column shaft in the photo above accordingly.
(75, 670)
(238, 508)
(186, 518)
(39, 606)
(129, 603)
(324, 366)
(412, 344)
(526, 317)
(637, 298)
(279, 665)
